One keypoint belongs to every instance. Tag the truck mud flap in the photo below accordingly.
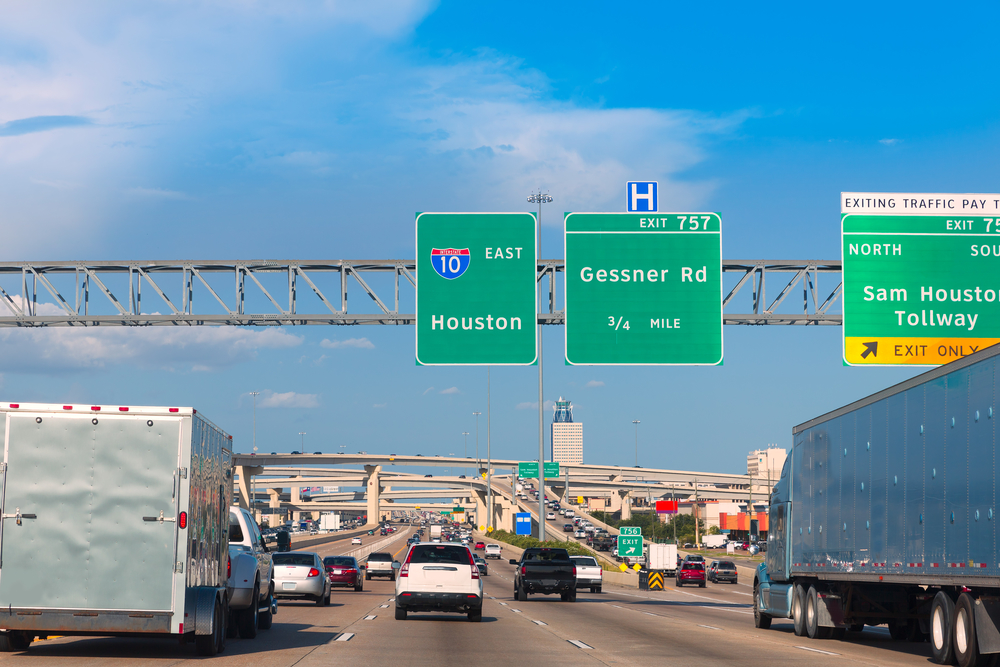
(199, 603)
(830, 614)
(987, 617)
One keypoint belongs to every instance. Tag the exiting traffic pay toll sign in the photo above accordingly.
(476, 292)
(921, 276)
(643, 288)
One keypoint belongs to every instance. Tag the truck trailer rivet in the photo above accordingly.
(149, 422)
(38, 420)
(94, 422)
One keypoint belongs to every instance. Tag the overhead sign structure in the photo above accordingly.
(477, 300)
(529, 469)
(522, 523)
(919, 274)
(643, 289)
(641, 197)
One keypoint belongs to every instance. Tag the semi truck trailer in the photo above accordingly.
(114, 520)
(885, 513)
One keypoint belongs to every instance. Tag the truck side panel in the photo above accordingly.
(895, 481)
(913, 463)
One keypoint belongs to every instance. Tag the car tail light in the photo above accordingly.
(313, 572)
(574, 570)
(405, 570)
(182, 520)
(524, 570)
(475, 568)
(229, 567)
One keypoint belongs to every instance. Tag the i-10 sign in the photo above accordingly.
(643, 288)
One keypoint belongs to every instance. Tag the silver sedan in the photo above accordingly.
(301, 575)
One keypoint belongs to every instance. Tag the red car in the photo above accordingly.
(344, 572)
(480, 546)
(691, 573)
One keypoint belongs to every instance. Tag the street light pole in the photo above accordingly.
(478, 462)
(540, 199)
(636, 422)
(303, 435)
(466, 434)
(254, 394)
(489, 459)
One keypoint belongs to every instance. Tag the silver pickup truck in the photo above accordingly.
(380, 565)
(251, 577)
(588, 573)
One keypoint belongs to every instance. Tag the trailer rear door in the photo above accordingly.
(89, 481)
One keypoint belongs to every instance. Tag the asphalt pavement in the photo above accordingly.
(690, 626)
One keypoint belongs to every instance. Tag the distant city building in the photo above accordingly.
(766, 463)
(567, 435)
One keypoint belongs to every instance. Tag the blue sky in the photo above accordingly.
(257, 129)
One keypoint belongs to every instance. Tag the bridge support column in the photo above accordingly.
(244, 473)
(626, 501)
(373, 493)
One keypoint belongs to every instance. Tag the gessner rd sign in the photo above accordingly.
(921, 276)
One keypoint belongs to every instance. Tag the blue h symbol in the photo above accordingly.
(641, 197)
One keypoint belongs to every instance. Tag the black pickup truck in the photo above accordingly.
(544, 571)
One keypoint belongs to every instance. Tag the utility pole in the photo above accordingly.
(479, 463)
(253, 498)
(540, 199)
(466, 434)
(489, 458)
(636, 422)
(696, 535)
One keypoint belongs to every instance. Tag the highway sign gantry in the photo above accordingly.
(920, 276)
(643, 288)
(476, 301)
(529, 469)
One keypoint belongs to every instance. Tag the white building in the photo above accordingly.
(567, 435)
(766, 464)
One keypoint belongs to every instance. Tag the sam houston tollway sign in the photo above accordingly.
(921, 276)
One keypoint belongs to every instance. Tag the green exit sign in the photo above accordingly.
(629, 546)
(643, 288)
(630, 530)
(529, 469)
(477, 298)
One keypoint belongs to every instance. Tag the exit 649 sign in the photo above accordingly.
(643, 288)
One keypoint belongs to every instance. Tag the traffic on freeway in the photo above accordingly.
(710, 626)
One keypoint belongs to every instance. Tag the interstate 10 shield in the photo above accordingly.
(476, 290)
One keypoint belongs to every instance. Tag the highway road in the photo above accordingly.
(690, 626)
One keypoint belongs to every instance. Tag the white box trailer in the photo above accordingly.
(114, 522)
(329, 521)
(663, 557)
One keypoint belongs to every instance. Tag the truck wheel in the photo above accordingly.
(247, 619)
(898, 630)
(942, 622)
(476, 615)
(813, 628)
(265, 618)
(208, 645)
(13, 640)
(400, 613)
(966, 644)
(799, 610)
(760, 619)
(521, 595)
(232, 629)
(368, 577)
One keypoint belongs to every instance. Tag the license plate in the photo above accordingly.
(338, 571)
(548, 582)
(288, 585)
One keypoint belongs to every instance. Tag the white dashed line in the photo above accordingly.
(370, 617)
(538, 622)
(579, 644)
(816, 650)
(649, 613)
(343, 637)
(516, 611)
(383, 606)
(503, 604)
(710, 627)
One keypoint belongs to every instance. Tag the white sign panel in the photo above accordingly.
(921, 203)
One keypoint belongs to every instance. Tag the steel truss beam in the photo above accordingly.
(252, 297)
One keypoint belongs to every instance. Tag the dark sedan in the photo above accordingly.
(344, 572)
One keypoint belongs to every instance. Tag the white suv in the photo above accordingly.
(493, 551)
(439, 577)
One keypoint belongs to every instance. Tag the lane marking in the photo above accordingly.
(383, 606)
(649, 613)
(538, 622)
(503, 604)
(516, 611)
(392, 599)
(579, 644)
(710, 627)
(816, 650)
(370, 617)
(343, 637)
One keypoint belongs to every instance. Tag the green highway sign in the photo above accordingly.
(630, 530)
(529, 469)
(643, 288)
(629, 546)
(477, 298)
(919, 276)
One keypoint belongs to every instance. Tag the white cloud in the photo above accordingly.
(427, 391)
(450, 390)
(594, 383)
(380, 405)
(528, 405)
(361, 343)
(288, 399)
(889, 142)
(198, 348)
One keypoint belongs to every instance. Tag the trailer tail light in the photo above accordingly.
(122, 409)
(15, 405)
(313, 572)
(95, 408)
(174, 410)
(67, 407)
(229, 567)
(182, 520)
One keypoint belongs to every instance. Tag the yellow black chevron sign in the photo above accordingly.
(656, 581)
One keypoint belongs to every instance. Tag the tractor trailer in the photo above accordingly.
(885, 514)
